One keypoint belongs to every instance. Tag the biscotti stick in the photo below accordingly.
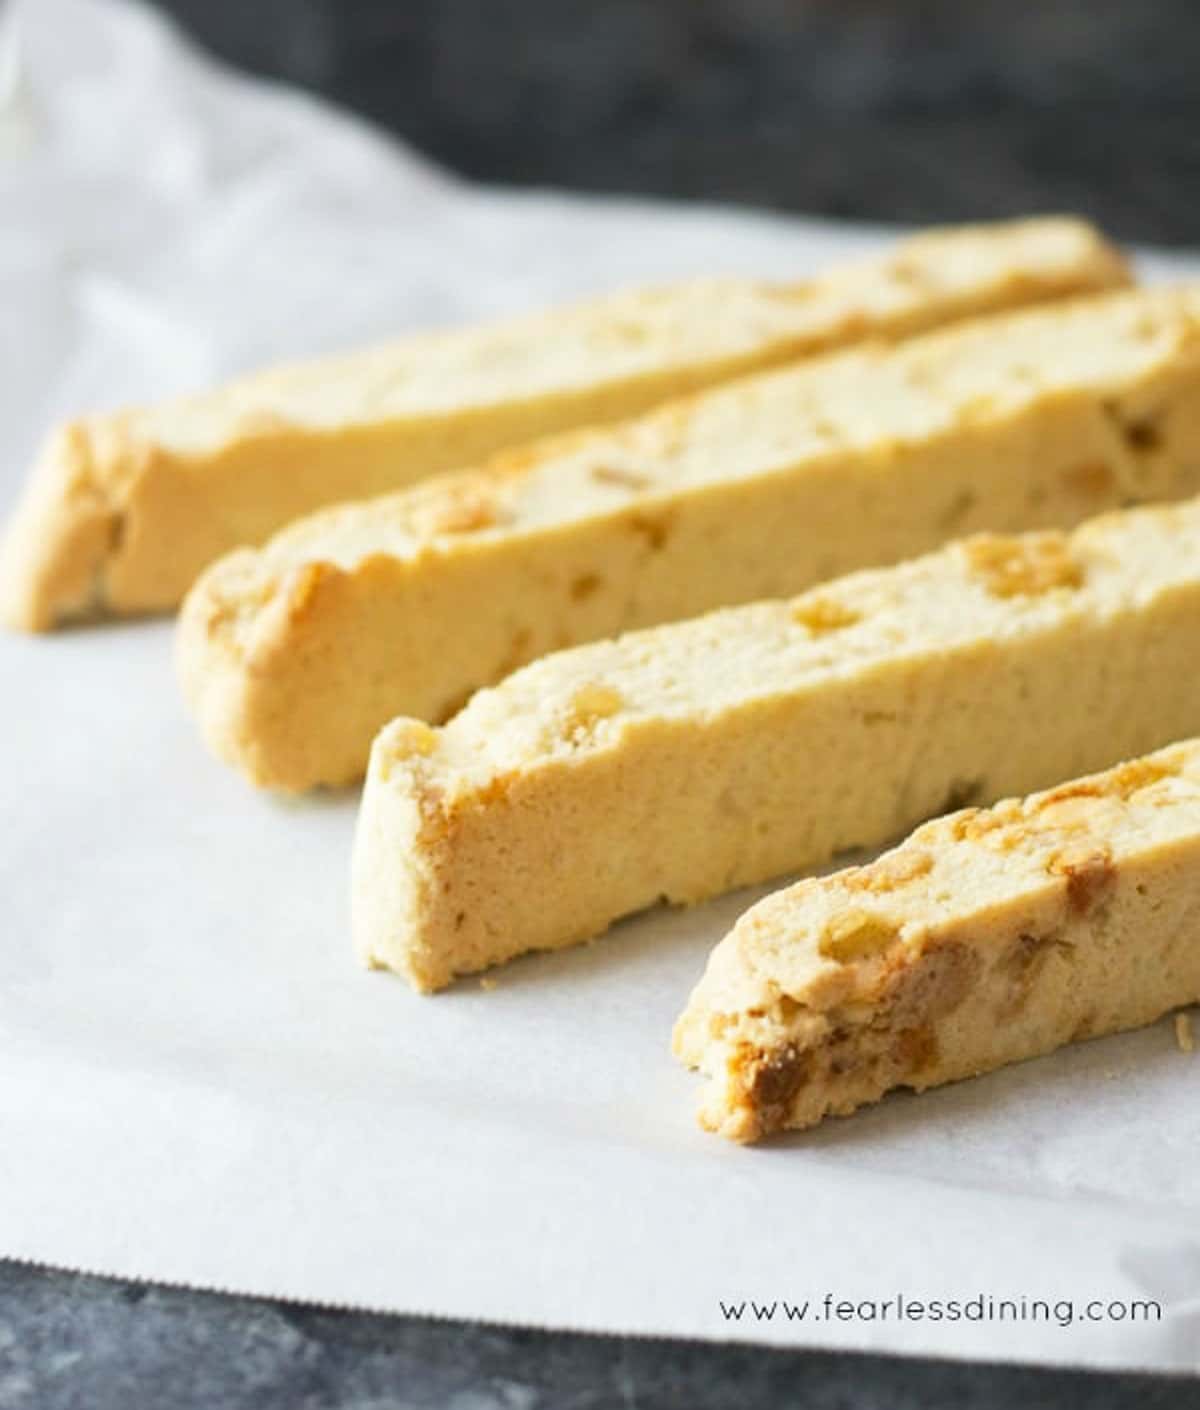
(686, 760)
(292, 657)
(987, 937)
(123, 511)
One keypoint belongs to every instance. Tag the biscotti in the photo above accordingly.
(987, 937)
(124, 510)
(293, 656)
(690, 759)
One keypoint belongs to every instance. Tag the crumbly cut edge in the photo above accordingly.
(54, 548)
(832, 992)
(70, 521)
(394, 874)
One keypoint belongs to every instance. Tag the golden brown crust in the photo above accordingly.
(124, 511)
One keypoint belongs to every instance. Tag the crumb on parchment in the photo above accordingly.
(1183, 1033)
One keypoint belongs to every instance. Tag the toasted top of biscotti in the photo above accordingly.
(827, 941)
(122, 511)
(629, 334)
(983, 590)
(863, 401)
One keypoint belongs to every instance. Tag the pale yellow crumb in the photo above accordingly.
(487, 982)
(1183, 1033)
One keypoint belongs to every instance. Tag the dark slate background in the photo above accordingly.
(915, 110)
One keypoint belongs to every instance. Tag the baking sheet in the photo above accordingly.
(199, 1085)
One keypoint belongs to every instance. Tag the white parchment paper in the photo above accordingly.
(198, 1084)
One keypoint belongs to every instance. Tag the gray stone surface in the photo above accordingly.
(69, 1342)
(913, 110)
